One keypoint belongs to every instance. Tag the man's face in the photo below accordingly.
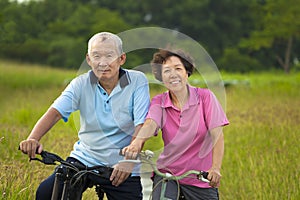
(105, 60)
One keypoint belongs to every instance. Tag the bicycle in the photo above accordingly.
(146, 157)
(72, 174)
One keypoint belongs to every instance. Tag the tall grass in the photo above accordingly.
(26, 93)
(261, 158)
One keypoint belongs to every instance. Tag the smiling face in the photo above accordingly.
(105, 59)
(174, 74)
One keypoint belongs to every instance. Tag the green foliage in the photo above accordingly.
(277, 30)
(234, 61)
(277, 21)
(55, 32)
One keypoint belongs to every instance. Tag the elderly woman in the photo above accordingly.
(191, 121)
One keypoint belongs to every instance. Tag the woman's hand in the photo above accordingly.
(214, 176)
(132, 151)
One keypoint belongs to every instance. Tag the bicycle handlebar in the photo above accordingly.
(48, 158)
(146, 157)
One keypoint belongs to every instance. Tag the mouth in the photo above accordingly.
(103, 70)
(175, 82)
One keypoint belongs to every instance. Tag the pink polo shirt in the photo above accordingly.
(187, 144)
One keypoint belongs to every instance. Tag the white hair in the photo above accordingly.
(102, 36)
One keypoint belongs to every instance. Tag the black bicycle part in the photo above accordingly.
(204, 174)
(100, 192)
(66, 171)
(48, 158)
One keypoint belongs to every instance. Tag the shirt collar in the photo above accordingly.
(193, 98)
(123, 78)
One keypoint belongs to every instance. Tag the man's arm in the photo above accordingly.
(44, 124)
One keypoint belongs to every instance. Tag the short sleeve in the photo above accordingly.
(155, 111)
(213, 111)
(68, 101)
(141, 101)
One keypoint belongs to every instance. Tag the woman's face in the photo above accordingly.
(174, 74)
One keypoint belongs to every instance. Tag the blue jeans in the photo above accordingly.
(130, 189)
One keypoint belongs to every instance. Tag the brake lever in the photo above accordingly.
(50, 158)
(37, 159)
(47, 158)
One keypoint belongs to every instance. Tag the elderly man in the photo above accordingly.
(113, 103)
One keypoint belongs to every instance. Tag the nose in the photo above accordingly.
(173, 73)
(103, 62)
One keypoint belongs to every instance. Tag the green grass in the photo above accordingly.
(261, 158)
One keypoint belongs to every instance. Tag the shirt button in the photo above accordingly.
(104, 93)
(107, 101)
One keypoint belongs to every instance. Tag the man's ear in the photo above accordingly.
(122, 59)
(88, 60)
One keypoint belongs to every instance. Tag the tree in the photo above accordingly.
(277, 30)
(52, 32)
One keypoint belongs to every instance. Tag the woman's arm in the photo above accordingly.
(142, 133)
(218, 152)
(145, 132)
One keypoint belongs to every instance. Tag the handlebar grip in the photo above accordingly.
(205, 174)
(121, 154)
(19, 148)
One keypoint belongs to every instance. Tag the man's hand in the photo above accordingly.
(31, 147)
(121, 172)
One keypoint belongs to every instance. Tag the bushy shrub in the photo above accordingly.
(232, 60)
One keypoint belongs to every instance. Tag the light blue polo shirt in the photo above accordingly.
(107, 121)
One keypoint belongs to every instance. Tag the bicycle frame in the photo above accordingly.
(146, 157)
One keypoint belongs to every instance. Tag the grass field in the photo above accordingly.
(262, 148)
